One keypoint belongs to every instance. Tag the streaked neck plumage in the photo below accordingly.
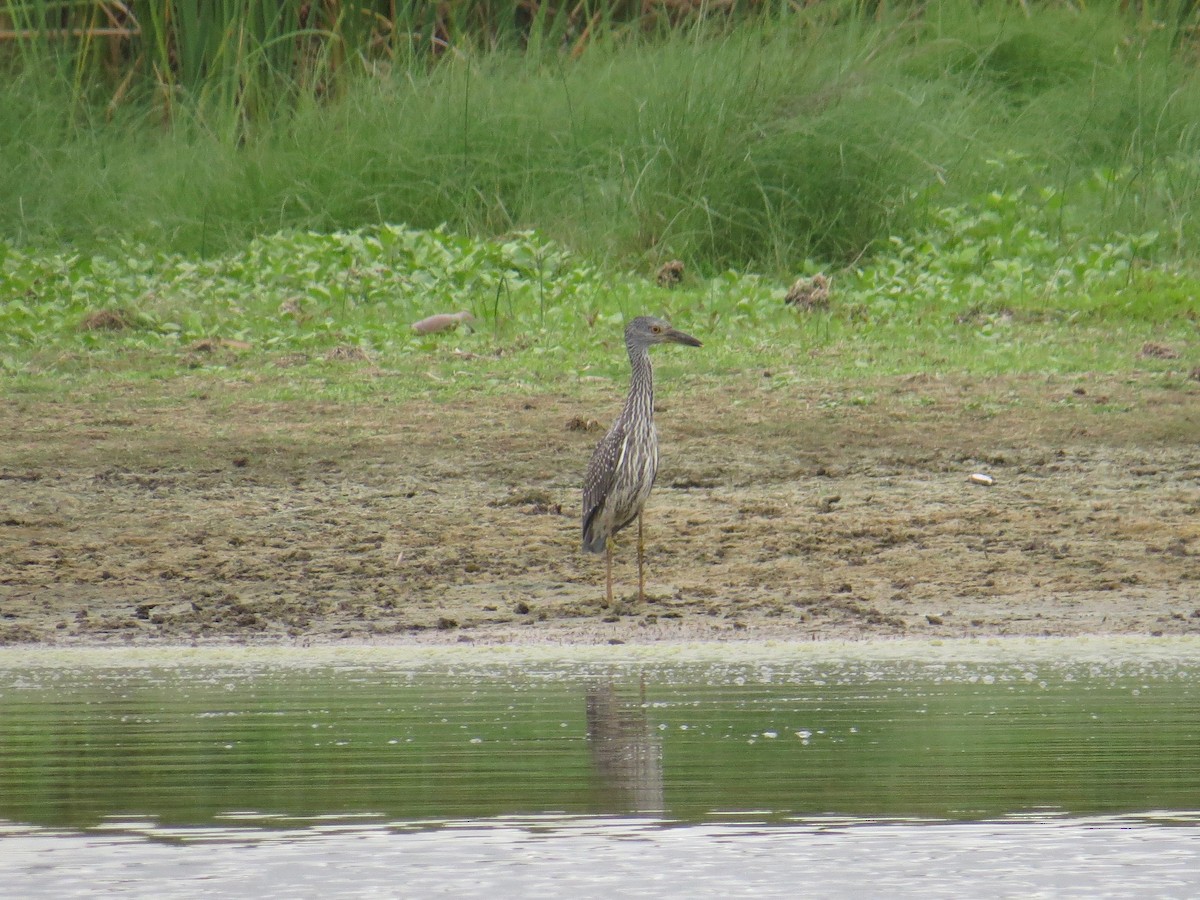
(639, 405)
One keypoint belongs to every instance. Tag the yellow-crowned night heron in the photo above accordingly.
(624, 463)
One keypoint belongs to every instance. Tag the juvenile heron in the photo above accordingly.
(624, 463)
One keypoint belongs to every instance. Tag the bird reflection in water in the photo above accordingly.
(627, 754)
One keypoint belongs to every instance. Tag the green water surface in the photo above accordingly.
(278, 744)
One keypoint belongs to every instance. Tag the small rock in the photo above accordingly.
(441, 322)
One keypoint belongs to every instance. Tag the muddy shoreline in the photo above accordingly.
(781, 512)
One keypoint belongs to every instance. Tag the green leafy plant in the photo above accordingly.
(984, 288)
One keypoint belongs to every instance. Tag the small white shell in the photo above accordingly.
(980, 478)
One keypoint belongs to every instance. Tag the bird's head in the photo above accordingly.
(648, 330)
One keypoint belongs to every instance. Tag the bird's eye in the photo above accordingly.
(656, 329)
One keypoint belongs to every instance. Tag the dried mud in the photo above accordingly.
(781, 511)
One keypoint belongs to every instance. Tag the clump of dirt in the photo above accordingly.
(579, 423)
(346, 353)
(178, 518)
(808, 294)
(1155, 350)
(107, 320)
(211, 345)
(670, 274)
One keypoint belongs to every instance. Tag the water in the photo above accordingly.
(1059, 768)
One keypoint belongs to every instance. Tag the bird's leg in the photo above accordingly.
(641, 573)
(608, 548)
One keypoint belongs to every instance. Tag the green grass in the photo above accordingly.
(302, 315)
(783, 138)
(995, 191)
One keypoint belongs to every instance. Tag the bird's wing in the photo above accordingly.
(599, 478)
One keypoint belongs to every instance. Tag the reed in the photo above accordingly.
(771, 136)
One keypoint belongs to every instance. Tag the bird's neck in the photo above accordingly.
(641, 385)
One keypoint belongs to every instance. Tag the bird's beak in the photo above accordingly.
(678, 337)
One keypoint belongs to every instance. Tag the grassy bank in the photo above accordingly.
(994, 189)
(760, 144)
(980, 292)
